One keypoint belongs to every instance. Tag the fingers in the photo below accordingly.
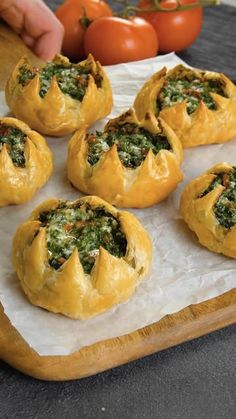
(12, 15)
(28, 40)
(36, 24)
(48, 45)
(46, 31)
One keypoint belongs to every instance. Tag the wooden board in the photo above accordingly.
(192, 322)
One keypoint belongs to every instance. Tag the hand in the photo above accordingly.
(36, 24)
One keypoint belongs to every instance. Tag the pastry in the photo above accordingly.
(200, 106)
(130, 164)
(25, 162)
(208, 205)
(80, 258)
(60, 97)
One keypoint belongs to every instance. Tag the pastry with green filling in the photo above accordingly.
(61, 96)
(25, 162)
(200, 106)
(130, 163)
(80, 258)
(208, 205)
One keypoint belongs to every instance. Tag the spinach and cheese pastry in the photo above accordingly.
(208, 205)
(25, 162)
(130, 164)
(80, 258)
(60, 97)
(200, 106)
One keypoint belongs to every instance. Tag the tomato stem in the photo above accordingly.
(155, 6)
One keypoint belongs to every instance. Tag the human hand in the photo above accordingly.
(36, 24)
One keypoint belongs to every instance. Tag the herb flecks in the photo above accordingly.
(225, 207)
(82, 226)
(192, 89)
(133, 143)
(14, 139)
(71, 79)
(26, 74)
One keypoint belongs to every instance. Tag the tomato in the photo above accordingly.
(114, 40)
(175, 30)
(70, 13)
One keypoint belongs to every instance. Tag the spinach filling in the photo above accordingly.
(72, 80)
(82, 226)
(225, 207)
(192, 89)
(14, 139)
(133, 144)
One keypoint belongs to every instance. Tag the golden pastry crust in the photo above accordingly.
(145, 185)
(57, 113)
(68, 290)
(197, 209)
(204, 125)
(19, 184)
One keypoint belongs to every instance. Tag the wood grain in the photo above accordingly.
(11, 50)
(192, 322)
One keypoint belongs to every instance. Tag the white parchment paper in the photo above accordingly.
(183, 272)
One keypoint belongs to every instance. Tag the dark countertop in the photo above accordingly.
(194, 380)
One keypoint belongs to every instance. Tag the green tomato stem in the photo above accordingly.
(157, 7)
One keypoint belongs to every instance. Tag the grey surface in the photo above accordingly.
(195, 380)
(215, 49)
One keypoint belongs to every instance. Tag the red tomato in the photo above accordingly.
(114, 40)
(70, 13)
(175, 30)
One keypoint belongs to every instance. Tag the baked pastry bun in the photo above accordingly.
(208, 205)
(130, 164)
(200, 106)
(60, 97)
(80, 258)
(25, 162)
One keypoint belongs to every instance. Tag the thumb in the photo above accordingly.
(47, 45)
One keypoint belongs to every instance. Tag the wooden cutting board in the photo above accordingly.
(192, 322)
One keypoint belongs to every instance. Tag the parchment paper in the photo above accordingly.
(183, 272)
